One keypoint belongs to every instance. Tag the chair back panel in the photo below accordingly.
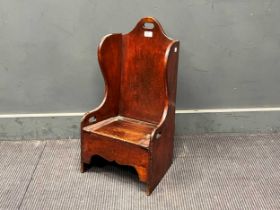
(143, 72)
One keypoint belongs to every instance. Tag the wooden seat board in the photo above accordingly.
(125, 129)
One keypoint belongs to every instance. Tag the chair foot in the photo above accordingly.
(150, 188)
(84, 167)
(142, 173)
(154, 181)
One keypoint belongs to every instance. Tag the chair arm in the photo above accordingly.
(161, 130)
(100, 113)
(89, 117)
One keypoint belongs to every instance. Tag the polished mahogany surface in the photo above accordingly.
(134, 125)
(143, 88)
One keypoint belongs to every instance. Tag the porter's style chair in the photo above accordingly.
(134, 125)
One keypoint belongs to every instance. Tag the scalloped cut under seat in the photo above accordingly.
(124, 129)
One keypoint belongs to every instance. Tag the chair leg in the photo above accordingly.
(156, 175)
(142, 173)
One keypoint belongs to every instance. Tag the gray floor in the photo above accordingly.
(209, 172)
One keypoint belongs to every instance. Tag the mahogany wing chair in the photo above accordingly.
(134, 125)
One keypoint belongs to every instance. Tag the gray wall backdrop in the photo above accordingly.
(229, 58)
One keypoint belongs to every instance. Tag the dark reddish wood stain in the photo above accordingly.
(134, 125)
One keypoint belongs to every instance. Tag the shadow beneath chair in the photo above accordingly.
(120, 172)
